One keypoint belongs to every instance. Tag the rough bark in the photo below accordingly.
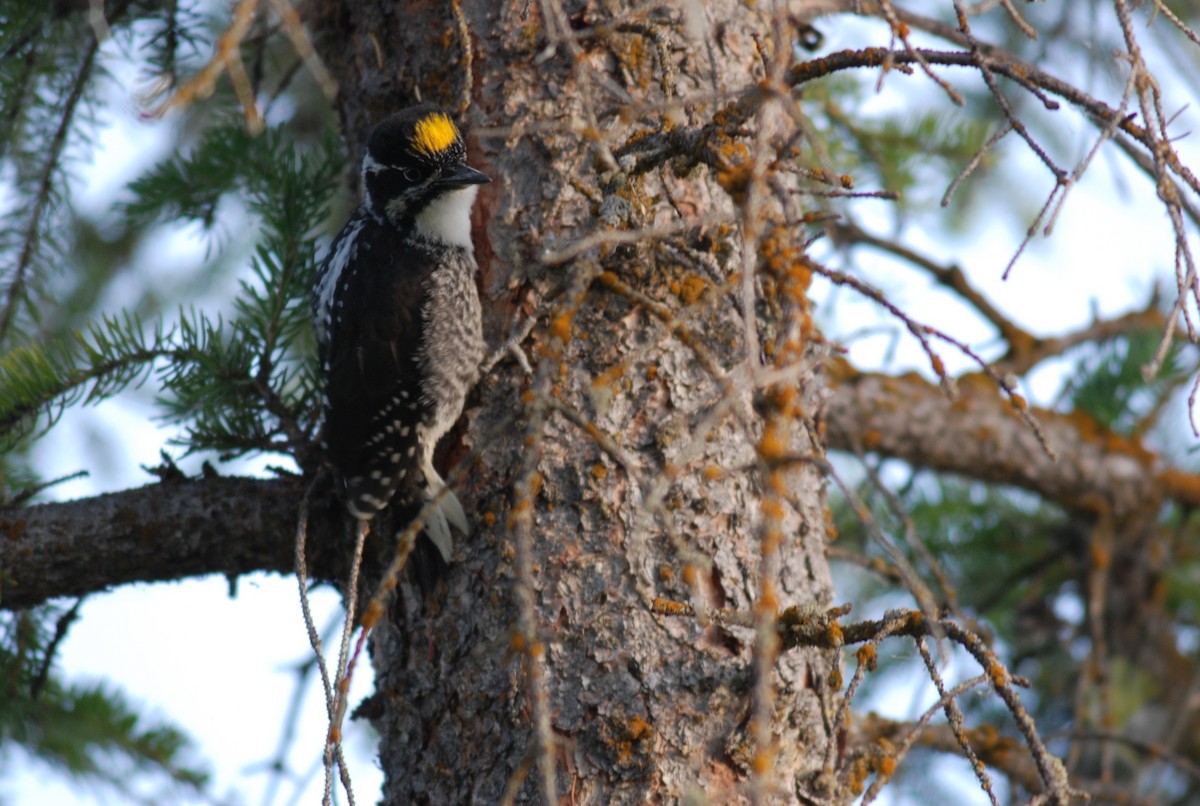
(642, 706)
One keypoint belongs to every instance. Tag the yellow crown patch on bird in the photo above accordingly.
(435, 133)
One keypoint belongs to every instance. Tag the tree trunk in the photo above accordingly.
(645, 464)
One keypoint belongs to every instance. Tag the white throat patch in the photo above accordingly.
(448, 218)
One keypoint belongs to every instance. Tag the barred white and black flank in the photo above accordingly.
(397, 319)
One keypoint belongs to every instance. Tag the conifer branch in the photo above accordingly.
(32, 234)
(978, 437)
(161, 532)
(46, 379)
(17, 91)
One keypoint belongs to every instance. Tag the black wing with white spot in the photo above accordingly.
(373, 400)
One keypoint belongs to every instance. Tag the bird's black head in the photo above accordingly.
(414, 157)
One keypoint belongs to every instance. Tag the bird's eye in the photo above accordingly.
(413, 175)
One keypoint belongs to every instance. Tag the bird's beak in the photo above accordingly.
(459, 176)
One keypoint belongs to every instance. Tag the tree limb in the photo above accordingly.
(160, 532)
(978, 436)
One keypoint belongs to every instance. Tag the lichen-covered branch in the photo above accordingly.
(979, 436)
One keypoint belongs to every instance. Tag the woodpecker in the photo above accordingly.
(397, 320)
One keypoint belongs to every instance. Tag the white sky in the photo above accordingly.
(222, 667)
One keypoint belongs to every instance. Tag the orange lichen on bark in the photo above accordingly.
(772, 447)
(609, 376)
(772, 509)
(1020, 343)
(991, 745)
(783, 399)
(669, 607)
(1181, 485)
(594, 431)
(783, 259)
(857, 779)
(560, 326)
(976, 382)
(735, 169)
(839, 370)
(639, 728)
(628, 738)
(690, 288)
(735, 180)
(771, 540)
(638, 136)
(519, 510)
(1093, 432)
(639, 61)
(834, 634)
(872, 438)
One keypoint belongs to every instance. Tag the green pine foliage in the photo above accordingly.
(237, 384)
(914, 154)
(249, 384)
(90, 732)
(1108, 382)
(180, 36)
(39, 381)
(997, 544)
(47, 91)
(238, 379)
